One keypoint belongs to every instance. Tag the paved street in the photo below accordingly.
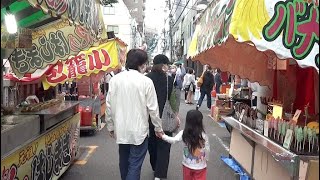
(99, 157)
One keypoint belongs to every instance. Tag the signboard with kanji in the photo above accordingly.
(94, 60)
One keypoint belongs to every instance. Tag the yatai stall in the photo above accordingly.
(276, 45)
(86, 70)
(36, 132)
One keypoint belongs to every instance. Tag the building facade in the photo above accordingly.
(117, 18)
(137, 11)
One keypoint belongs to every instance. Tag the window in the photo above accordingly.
(108, 10)
(113, 28)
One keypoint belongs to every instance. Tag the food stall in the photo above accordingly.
(274, 50)
(37, 132)
(87, 69)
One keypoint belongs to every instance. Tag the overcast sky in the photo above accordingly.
(155, 14)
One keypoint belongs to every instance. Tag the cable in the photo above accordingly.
(182, 13)
(177, 7)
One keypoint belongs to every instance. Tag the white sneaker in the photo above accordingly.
(157, 178)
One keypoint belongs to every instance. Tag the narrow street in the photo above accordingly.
(99, 157)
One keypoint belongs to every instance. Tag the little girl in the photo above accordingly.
(196, 147)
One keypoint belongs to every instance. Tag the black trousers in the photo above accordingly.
(159, 152)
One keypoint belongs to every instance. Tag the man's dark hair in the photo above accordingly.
(136, 58)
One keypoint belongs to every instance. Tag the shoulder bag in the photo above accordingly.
(169, 120)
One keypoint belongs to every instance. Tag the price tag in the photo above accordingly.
(266, 128)
(241, 115)
(287, 139)
(296, 115)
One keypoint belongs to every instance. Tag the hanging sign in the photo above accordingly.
(85, 12)
(55, 42)
(94, 60)
(214, 24)
(47, 157)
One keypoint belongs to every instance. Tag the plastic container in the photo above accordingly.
(86, 116)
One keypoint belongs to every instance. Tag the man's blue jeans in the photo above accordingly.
(202, 94)
(131, 158)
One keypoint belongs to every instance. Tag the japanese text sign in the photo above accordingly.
(56, 42)
(86, 13)
(47, 157)
(94, 60)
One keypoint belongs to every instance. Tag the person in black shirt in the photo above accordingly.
(206, 87)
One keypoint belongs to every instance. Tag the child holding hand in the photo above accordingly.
(196, 147)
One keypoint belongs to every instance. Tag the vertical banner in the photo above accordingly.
(47, 157)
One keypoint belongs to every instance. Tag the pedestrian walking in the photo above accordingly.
(177, 85)
(189, 85)
(131, 99)
(196, 147)
(206, 87)
(217, 80)
(159, 150)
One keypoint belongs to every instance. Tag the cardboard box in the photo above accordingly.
(217, 112)
(241, 150)
(221, 103)
(265, 167)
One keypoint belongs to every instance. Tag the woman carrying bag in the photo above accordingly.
(206, 88)
(159, 150)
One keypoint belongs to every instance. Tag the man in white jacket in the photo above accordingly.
(131, 99)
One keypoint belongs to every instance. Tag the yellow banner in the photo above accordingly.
(94, 60)
(55, 42)
(47, 157)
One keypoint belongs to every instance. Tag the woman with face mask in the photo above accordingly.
(159, 150)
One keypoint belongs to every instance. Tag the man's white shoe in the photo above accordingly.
(157, 178)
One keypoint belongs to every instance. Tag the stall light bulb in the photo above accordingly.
(11, 23)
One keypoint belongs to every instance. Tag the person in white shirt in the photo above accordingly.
(196, 147)
(189, 83)
(131, 99)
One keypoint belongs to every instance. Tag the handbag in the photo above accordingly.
(169, 121)
(200, 80)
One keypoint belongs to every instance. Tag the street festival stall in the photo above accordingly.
(47, 132)
(274, 43)
(87, 69)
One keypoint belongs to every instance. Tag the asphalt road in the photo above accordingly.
(99, 155)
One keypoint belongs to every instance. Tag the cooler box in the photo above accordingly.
(85, 116)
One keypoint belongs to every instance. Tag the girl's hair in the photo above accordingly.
(190, 70)
(192, 133)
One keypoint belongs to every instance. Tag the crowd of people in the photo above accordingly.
(143, 106)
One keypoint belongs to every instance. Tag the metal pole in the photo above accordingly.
(170, 32)
(171, 38)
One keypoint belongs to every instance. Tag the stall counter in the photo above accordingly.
(263, 159)
(58, 129)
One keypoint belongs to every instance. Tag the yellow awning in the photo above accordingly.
(192, 51)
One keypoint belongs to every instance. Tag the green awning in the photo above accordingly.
(26, 15)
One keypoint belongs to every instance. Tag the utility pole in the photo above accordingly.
(170, 31)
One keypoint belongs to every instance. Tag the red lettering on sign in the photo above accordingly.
(56, 75)
(76, 65)
(95, 60)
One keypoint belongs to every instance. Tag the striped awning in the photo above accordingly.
(26, 15)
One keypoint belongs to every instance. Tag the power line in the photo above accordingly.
(182, 13)
(177, 7)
